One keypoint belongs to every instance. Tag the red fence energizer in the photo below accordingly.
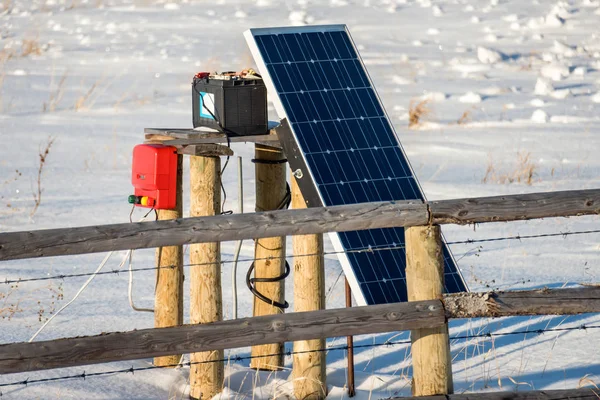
(154, 176)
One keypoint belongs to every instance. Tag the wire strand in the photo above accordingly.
(117, 271)
(366, 249)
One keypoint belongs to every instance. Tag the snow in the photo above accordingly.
(543, 87)
(555, 72)
(489, 56)
(470, 97)
(103, 70)
(539, 116)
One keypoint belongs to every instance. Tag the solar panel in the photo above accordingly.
(341, 143)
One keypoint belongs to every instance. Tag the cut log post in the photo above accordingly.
(168, 297)
(309, 294)
(206, 303)
(269, 252)
(432, 364)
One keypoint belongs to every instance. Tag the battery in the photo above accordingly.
(234, 106)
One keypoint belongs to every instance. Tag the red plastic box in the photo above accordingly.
(154, 176)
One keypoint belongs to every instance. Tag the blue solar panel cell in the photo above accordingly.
(347, 145)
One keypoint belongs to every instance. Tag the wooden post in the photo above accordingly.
(309, 295)
(168, 298)
(432, 363)
(269, 252)
(206, 303)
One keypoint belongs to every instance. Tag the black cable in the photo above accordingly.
(250, 283)
(289, 353)
(287, 198)
(283, 205)
(268, 162)
(227, 133)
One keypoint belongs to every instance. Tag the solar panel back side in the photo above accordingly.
(345, 148)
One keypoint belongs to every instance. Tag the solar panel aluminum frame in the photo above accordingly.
(298, 163)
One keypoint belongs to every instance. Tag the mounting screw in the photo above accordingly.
(298, 173)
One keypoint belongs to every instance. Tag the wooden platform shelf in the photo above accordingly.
(205, 141)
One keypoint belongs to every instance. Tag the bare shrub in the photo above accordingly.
(417, 112)
(14, 301)
(37, 194)
(523, 171)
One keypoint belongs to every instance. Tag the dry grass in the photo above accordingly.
(417, 112)
(6, 54)
(466, 117)
(6, 5)
(31, 47)
(523, 171)
(56, 95)
(2, 76)
(83, 100)
(37, 194)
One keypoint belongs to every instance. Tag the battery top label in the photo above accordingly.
(207, 105)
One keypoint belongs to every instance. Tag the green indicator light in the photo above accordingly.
(131, 199)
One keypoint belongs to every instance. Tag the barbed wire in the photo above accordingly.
(369, 249)
(288, 353)
(520, 237)
(392, 246)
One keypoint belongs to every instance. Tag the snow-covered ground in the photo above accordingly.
(512, 87)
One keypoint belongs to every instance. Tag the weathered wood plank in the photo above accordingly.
(22, 357)
(189, 136)
(516, 207)
(530, 302)
(92, 239)
(571, 394)
(199, 149)
(258, 139)
(205, 150)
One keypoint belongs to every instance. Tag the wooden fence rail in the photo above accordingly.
(570, 394)
(92, 239)
(144, 343)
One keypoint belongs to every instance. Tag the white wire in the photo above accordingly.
(130, 291)
(238, 244)
(102, 264)
(75, 297)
